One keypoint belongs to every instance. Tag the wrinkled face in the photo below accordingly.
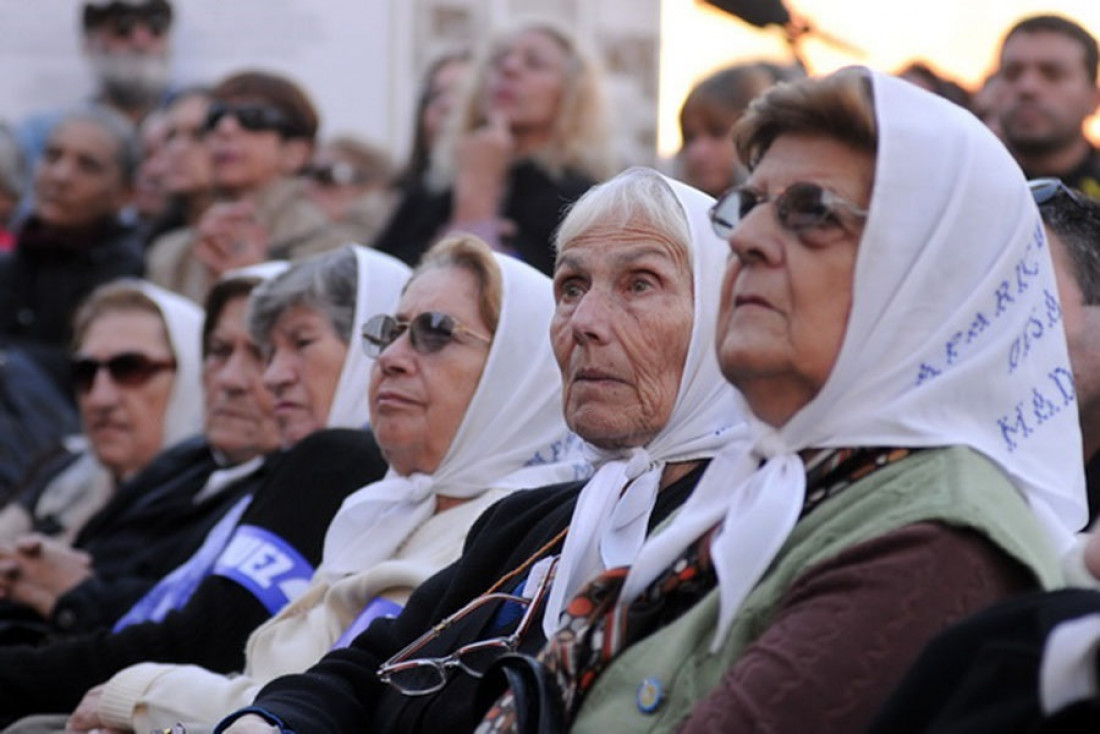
(786, 295)
(708, 155)
(187, 158)
(621, 332)
(417, 400)
(303, 371)
(246, 161)
(1081, 321)
(240, 422)
(78, 181)
(527, 80)
(125, 424)
(442, 93)
(1045, 91)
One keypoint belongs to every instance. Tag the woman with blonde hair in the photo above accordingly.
(528, 136)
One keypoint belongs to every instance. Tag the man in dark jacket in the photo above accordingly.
(73, 240)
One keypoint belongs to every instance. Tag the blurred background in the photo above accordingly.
(361, 59)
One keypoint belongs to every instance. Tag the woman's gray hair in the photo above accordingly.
(327, 283)
(637, 196)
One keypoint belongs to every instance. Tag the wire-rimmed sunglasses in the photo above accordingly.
(422, 676)
(799, 207)
(429, 332)
(129, 369)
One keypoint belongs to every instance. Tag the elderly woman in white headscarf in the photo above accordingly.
(636, 285)
(891, 318)
(464, 401)
(306, 322)
(136, 370)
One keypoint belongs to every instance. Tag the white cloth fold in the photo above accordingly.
(954, 338)
(379, 286)
(611, 517)
(183, 322)
(512, 436)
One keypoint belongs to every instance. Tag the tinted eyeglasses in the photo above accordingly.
(429, 332)
(129, 369)
(1044, 191)
(252, 116)
(120, 18)
(421, 676)
(800, 207)
(338, 173)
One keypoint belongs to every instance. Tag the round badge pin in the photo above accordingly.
(650, 695)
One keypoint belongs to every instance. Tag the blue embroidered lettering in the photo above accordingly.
(980, 324)
(1003, 298)
(952, 347)
(1063, 380)
(1014, 355)
(1054, 309)
(1017, 428)
(927, 372)
(1043, 408)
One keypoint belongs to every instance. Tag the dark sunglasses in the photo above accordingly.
(120, 18)
(129, 369)
(429, 332)
(338, 173)
(800, 207)
(253, 117)
(421, 676)
(1044, 190)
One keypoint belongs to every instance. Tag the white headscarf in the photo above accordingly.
(953, 339)
(512, 436)
(609, 525)
(380, 282)
(183, 324)
(84, 487)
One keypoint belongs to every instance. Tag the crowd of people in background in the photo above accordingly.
(801, 433)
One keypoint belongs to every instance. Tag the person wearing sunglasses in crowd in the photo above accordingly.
(465, 406)
(352, 181)
(1029, 664)
(890, 317)
(259, 129)
(74, 238)
(528, 135)
(636, 288)
(158, 518)
(127, 45)
(264, 551)
(135, 368)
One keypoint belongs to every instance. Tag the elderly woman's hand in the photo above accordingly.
(229, 237)
(46, 570)
(85, 717)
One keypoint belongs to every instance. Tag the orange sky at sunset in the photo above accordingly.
(957, 38)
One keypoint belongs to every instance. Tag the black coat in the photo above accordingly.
(342, 692)
(296, 502)
(535, 202)
(47, 276)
